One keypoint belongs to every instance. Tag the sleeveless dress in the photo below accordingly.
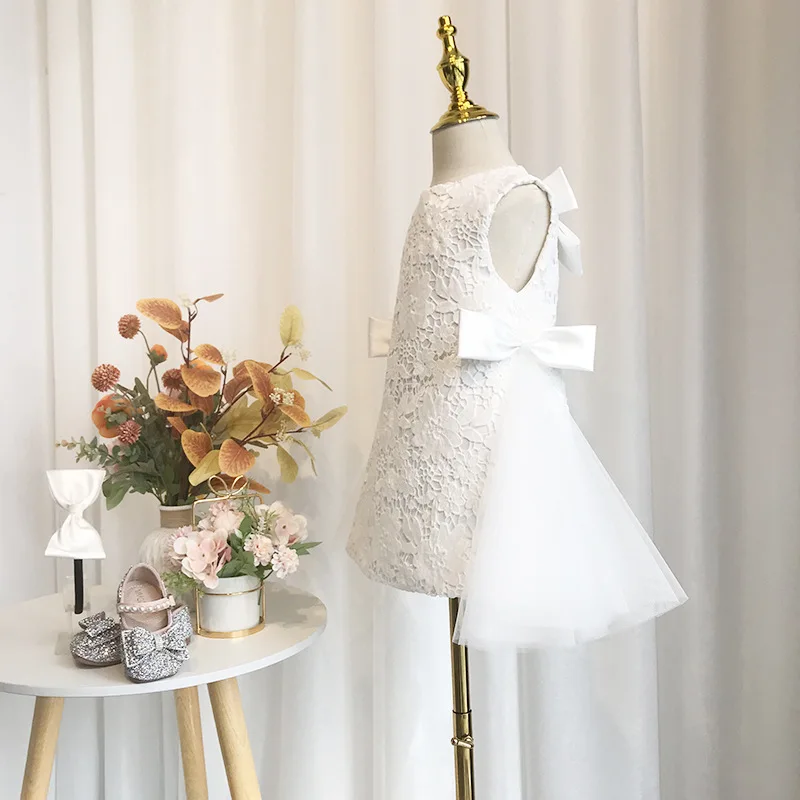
(479, 483)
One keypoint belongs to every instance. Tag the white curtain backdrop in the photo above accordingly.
(274, 151)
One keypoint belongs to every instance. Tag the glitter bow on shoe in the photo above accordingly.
(98, 643)
(151, 656)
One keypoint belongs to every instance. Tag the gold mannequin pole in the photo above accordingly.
(454, 71)
(462, 740)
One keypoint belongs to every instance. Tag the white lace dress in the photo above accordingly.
(479, 484)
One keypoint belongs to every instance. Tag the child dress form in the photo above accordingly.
(479, 484)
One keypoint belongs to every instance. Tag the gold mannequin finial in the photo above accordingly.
(454, 72)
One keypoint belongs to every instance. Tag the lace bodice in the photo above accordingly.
(414, 522)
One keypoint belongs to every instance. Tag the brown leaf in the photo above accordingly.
(181, 333)
(167, 403)
(297, 415)
(161, 310)
(234, 459)
(201, 378)
(209, 353)
(235, 386)
(262, 384)
(205, 404)
(196, 445)
(177, 423)
(241, 368)
(209, 298)
(299, 400)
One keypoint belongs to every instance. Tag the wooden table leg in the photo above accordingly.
(187, 706)
(232, 732)
(42, 747)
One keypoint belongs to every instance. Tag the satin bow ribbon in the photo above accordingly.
(141, 644)
(379, 332)
(484, 337)
(75, 490)
(562, 199)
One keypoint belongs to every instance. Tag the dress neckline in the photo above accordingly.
(484, 173)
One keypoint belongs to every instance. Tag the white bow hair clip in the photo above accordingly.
(75, 490)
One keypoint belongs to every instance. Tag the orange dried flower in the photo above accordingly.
(105, 377)
(172, 379)
(110, 404)
(128, 432)
(128, 326)
(158, 354)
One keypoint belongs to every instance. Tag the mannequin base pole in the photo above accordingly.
(462, 741)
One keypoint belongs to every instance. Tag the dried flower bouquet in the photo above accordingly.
(208, 417)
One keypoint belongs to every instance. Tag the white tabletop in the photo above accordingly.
(29, 665)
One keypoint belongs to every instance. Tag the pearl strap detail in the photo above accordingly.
(147, 608)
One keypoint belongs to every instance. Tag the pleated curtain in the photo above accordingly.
(274, 151)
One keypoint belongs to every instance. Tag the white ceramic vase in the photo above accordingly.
(232, 607)
(153, 550)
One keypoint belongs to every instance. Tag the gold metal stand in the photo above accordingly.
(454, 72)
(462, 741)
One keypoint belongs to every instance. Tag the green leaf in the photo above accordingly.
(206, 468)
(328, 420)
(241, 419)
(287, 464)
(291, 326)
(303, 548)
(115, 495)
(307, 449)
(305, 375)
(282, 380)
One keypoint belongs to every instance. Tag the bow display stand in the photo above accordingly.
(74, 490)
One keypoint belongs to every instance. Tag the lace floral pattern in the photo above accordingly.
(418, 508)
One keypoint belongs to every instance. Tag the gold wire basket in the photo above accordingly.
(239, 490)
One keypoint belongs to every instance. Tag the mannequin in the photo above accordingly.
(467, 141)
(519, 224)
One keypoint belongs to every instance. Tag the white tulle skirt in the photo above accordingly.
(558, 556)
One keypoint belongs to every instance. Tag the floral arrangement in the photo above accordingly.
(208, 416)
(232, 540)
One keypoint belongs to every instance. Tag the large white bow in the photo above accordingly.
(484, 337)
(75, 490)
(563, 199)
(379, 333)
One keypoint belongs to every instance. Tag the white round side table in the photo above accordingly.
(28, 633)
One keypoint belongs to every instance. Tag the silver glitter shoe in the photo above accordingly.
(155, 633)
(98, 644)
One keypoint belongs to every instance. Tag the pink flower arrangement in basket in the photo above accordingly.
(231, 541)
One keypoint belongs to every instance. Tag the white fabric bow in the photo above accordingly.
(562, 199)
(75, 490)
(484, 337)
(379, 332)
